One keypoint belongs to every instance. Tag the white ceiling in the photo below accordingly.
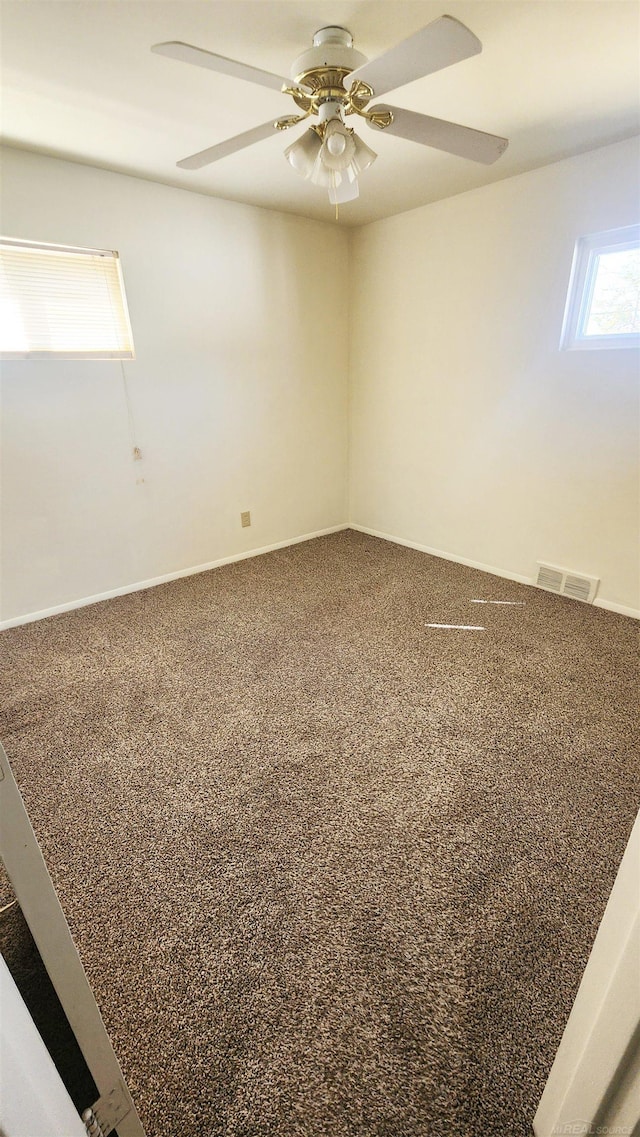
(556, 77)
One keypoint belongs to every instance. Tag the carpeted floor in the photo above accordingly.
(332, 873)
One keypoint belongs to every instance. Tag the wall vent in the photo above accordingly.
(567, 583)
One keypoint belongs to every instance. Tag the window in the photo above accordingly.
(603, 305)
(61, 303)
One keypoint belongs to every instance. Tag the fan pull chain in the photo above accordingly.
(336, 211)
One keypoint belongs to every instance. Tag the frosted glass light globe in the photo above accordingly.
(336, 143)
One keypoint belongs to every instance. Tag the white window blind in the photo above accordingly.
(59, 302)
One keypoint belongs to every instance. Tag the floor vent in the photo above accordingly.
(567, 583)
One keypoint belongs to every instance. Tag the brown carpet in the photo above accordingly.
(332, 873)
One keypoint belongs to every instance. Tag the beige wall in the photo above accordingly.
(238, 393)
(471, 433)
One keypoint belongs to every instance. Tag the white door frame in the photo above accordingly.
(594, 1084)
(41, 909)
(33, 1098)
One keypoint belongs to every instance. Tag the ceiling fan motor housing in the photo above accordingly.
(325, 65)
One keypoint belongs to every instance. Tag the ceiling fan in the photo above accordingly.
(331, 81)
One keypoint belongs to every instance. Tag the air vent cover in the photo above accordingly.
(567, 583)
(549, 578)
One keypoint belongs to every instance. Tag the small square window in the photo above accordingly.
(58, 302)
(603, 304)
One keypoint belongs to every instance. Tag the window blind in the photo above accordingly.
(62, 302)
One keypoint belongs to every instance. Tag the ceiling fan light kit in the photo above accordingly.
(331, 155)
(331, 81)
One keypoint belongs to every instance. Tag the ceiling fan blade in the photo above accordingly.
(223, 149)
(443, 135)
(188, 54)
(441, 43)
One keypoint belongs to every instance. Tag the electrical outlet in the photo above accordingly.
(245, 519)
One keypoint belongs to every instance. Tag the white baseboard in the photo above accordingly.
(610, 605)
(29, 617)
(139, 586)
(613, 606)
(444, 556)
